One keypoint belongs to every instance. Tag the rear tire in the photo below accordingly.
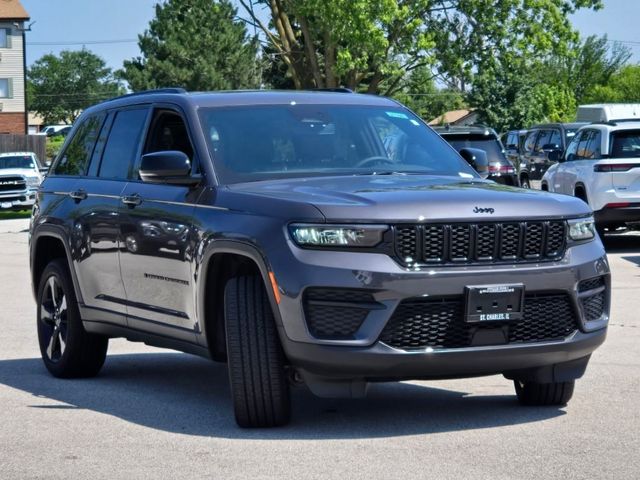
(544, 394)
(67, 350)
(259, 383)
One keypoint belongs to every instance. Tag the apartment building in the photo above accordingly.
(13, 118)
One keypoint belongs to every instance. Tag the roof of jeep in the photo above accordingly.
(246, 98)
(465, 130)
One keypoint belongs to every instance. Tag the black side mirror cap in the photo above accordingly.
(170, 167)
(477, 159)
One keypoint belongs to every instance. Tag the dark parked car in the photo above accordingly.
(541, 140)
(501, 170)
(330, 239)
(513, 142)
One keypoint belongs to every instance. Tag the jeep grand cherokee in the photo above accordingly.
(319, 237)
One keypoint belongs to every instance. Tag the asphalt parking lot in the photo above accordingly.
(158, 414)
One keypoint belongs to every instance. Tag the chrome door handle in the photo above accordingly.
(78, 195)
(132, 200)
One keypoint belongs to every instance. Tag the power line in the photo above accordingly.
(86, 42)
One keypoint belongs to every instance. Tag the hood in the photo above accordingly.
(413, 198)
(27, 172)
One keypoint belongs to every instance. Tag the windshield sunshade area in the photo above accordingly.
(285, 141)
(18, 161)
(625, 144)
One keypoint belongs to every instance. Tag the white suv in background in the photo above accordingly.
(602, 167)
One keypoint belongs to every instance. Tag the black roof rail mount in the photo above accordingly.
(150, 92)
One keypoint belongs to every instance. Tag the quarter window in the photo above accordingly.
(76, 156)
(122, 144)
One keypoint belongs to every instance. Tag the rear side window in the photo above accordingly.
(76, 156)
(625, 144)
(123, 143)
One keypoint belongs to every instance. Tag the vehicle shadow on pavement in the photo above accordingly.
(179, 393)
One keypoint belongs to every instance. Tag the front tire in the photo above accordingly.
(524, 183)
(67, 350)
(259, 384)
(544, 394)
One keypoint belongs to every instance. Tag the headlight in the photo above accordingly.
(337, 235)
(33, 181)
(582, 229)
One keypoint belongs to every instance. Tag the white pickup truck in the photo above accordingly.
(20, 176)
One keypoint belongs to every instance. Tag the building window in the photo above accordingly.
(5, 38)
(6, 88)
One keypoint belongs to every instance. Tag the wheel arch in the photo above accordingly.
(581, 187)
(48, 243)
(222, 261)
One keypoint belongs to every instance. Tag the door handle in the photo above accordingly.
(132, 200)
(78, 195)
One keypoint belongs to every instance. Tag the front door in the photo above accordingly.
(158, 240)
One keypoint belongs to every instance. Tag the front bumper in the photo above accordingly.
(18, 201)
(364, 356)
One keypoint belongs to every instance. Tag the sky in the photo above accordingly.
(70, 24)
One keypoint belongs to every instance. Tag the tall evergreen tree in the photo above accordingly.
(195, 44)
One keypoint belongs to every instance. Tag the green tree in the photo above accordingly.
(61, 86)
(374, 45)
(422, 96)
(623, 87)
(591, 63)
(195, 44)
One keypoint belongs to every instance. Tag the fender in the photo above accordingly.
(59, 233)
(238, 248)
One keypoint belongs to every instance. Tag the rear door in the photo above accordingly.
(624, 163)
(158, 238)
(579, 169)
(94, 228)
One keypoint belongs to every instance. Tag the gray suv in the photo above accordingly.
(320, 238)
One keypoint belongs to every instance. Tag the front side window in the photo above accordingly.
(76, 156)
(283, 141)
(123, 142)
(625, 144)
(583, 151)
(530, 142)
(570, 154)
(543, 141)
(556, 139)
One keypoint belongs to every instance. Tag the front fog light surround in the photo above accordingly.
(582, 229)
(337, 235)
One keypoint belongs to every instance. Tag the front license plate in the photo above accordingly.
(6, 205)
(494, 303)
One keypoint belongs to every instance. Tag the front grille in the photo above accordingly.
(12, 183)
(440, 324)
(465, 243)
(336, 314)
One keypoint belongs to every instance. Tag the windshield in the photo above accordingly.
(283, 141)
(491, 146)
(17, 162)
(625, 144)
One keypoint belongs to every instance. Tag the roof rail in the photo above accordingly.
(150, 92)
(616, 121)
(335, 89)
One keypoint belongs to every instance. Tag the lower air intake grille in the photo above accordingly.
(335, 314)
(440, 324)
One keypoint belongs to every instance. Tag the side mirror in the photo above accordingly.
(555, 156)
(477, 159)
(171, 167)
(44, 170)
